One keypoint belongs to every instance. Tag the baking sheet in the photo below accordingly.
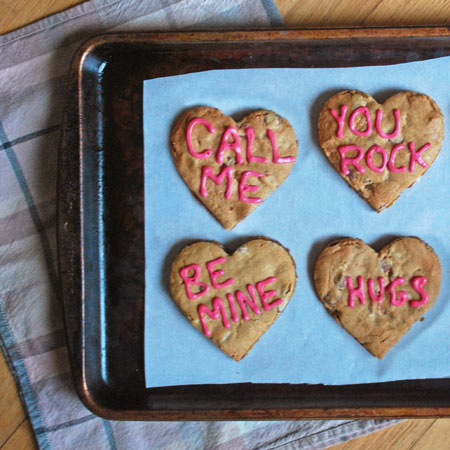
(305, 345)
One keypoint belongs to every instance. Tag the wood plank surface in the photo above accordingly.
(417, 434)
(343, 13)
(12, 414)
(18, 13)
(21, 439)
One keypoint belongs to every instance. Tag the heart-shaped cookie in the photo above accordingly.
(233, 299)
(380, 150)
(378, 297)
(233, 167)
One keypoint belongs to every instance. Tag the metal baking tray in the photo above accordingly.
(101, 222)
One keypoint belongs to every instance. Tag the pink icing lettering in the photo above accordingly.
(276, 152)
(345, 162)
(365, 111)
(371, 283)
(418, 283)
(369, 158)
(244, 187)
(207, 172)
(379, 118)
(251, 158)
(243, 299)
(396, 298)
(214, 274)
(266, 295)
(416, 155)
(356, 292)
(232, 304)
(225, 145)
(193, 280)
(340, 119)
(391, 163)
(402, 295)
(211, 129)
(218, 310)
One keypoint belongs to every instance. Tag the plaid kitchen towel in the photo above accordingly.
(33, 65)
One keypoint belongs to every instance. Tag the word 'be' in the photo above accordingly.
(191, 277)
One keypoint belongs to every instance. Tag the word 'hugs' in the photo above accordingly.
(397, 298)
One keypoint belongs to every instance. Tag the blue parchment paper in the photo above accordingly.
(314, 205)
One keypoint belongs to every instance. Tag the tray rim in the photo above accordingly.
(193, 37)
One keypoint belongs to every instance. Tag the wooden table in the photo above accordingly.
(15, 430)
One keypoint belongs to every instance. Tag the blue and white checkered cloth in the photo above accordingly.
(33, 66)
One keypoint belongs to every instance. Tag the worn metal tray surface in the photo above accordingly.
(101, 222)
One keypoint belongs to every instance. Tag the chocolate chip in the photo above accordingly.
(362, 193)
(329, 299)
(397, 140)
(230, 161)
(385, 266)
(339, 281)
